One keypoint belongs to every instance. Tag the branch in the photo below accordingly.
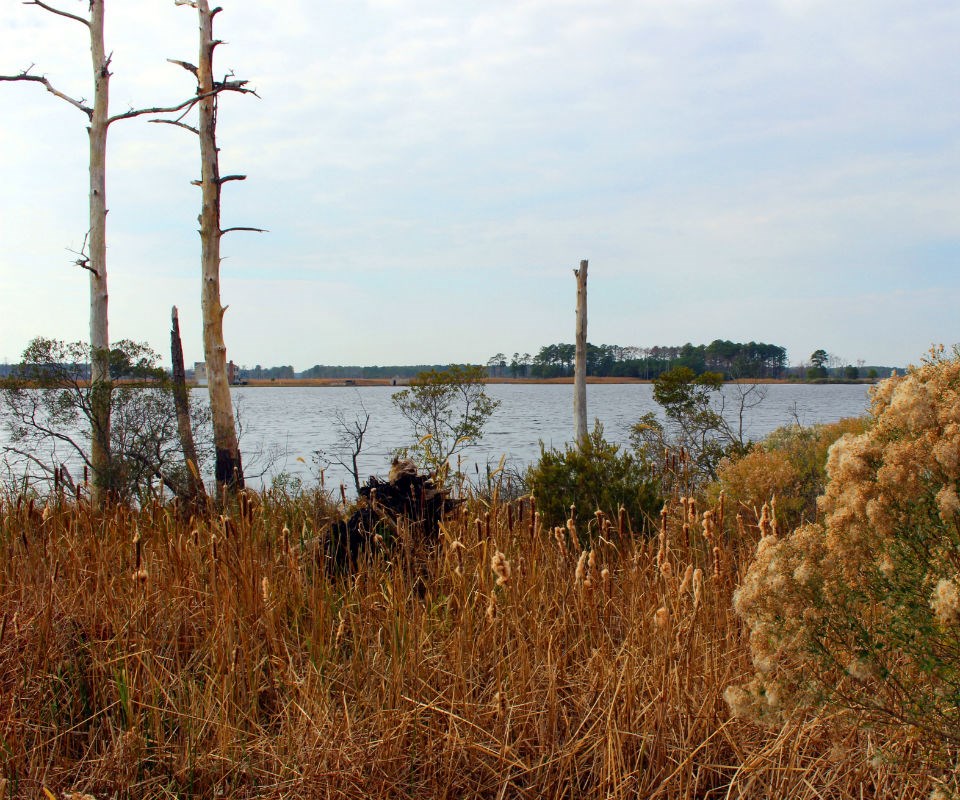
(178, 124)
(226, 178)
(139, 112)
(25, 76)
(243, 228)
(185, 64)
(57, 11)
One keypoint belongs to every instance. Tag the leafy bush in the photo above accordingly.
(595, 476)
(447, 411)
(47, 409)
(700, 428)
(861, 611)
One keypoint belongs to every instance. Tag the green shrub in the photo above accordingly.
(597, 475)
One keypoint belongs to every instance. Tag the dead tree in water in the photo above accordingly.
(580, 359)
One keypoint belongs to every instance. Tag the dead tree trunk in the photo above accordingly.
(580, 359)
(100, 386)
(195, 489)
(228, 469)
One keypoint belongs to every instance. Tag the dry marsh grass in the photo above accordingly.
(145, 656)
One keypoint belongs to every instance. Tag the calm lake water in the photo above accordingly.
(300, 421)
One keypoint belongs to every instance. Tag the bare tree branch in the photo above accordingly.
(139, 112)
(226, 178)
(57, 11)
(185, 64)
(178, 124)
(243, 228)
(41, 79)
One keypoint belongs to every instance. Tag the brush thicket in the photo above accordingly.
(143, 655)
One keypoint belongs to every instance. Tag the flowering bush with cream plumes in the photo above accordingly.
(861, 611)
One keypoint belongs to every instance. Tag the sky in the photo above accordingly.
(430, 173)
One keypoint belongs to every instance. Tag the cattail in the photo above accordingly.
(662, 618)
(455, 547)
(500, 704)
(479, 524)
(581, 571)
(338, 637)
(560, 539)
(622, 523)
(286, 539)
(572, 527)
(492, 608)
(765, 527)
(510, 517)
(486, 525)
(709, 527)
(717, 556)
(666, 570)
(687, 580)
(500, 567)
(265, 590)
(697, 585)
(141, 575)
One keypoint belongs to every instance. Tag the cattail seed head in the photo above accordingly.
(265, 589)
(687, 579)
(500, 567)
(581, 570)
(662, 618)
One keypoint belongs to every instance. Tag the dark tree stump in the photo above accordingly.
(406, 498)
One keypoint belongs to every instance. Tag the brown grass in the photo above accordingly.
(223, 660)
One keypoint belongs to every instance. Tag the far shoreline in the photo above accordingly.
(357, 383)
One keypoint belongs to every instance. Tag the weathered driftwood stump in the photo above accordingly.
(406, 500)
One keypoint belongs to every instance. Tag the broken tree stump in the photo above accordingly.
(406, 499)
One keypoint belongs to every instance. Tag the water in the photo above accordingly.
(300, 421)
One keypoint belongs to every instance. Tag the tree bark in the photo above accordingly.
(228, 469)
(580, 359)
(181, 400)
(100, 384)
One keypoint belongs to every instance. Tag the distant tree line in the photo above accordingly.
(407, 371)
(731, 359)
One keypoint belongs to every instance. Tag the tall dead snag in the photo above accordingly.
(181, 400)
(580, 358)
(93, 258)
(228, 469)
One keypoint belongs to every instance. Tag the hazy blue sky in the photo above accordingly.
(430, 172)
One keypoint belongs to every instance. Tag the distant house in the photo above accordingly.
(200, 373)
